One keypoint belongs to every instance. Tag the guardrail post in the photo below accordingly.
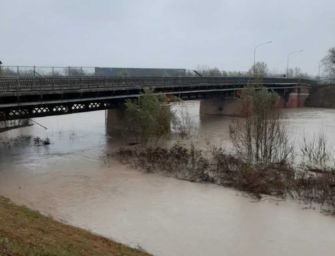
(68, 76)
(33, 84)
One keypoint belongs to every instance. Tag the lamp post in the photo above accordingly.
(255, 49)
(288, 59)
(319, 69)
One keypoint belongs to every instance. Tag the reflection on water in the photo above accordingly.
(69, 180)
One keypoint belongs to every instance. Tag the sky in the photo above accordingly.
(166, 33)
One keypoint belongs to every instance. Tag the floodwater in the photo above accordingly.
(70, 181)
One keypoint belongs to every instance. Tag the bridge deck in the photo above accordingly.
(42, 96)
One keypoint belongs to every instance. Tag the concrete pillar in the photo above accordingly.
(297, 98)
(114, 121)
(221, 106)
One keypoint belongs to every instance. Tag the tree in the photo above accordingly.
(72, 71)
(329, 63)
(206, 71)
(147, 117)
(259, 69)
(296, 73)
(260, 137)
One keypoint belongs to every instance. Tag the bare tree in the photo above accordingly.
(259, 69)
(329, 63)
(315, 154)
(206, 71)
(260, 137)
(73, 71)
(296, 73)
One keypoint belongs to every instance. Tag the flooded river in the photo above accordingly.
(70, 181)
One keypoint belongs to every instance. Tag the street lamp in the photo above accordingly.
(259, 45)
(319, 70)
(288, 59)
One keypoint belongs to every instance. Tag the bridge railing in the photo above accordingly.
(49, 83)
(33, 78)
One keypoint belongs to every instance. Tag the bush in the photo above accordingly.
(260, 137)
(147, 117)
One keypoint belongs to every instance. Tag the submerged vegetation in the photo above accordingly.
(221, 168)
(315, 155)
(24, 232)
(24, 140)
(262, 161)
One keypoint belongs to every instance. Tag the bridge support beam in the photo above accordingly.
(221, 106)
(297, 98)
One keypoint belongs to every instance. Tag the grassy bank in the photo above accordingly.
(26, 232)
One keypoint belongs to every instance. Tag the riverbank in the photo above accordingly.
(321, 97)
(27, 232)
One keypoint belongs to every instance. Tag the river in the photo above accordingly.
(70, 180)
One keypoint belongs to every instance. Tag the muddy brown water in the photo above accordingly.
(70, 181)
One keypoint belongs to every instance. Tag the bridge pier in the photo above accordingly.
(297, 97)
(221, 106)
(115, 121)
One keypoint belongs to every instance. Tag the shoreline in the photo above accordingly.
(27, 232)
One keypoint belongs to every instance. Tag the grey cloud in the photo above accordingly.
(166, 33)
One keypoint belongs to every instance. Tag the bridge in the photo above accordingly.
(35, 96)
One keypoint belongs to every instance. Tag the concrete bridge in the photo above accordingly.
(28, 97)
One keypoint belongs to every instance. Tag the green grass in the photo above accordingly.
(24, 232)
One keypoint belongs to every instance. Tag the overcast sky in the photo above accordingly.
(166, 33)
